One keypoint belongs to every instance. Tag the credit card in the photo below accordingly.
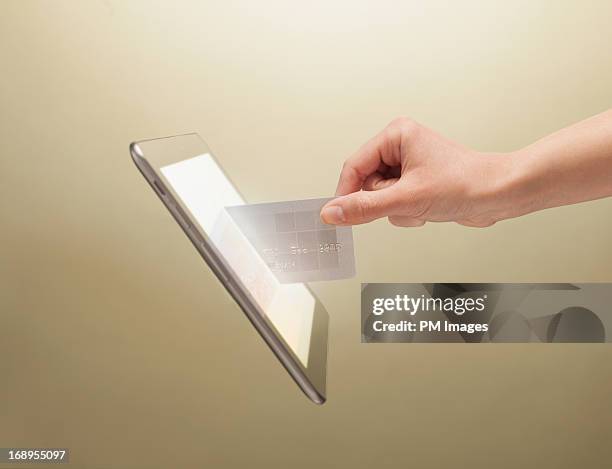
(294, 242)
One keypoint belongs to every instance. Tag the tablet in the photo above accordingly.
(192, 185)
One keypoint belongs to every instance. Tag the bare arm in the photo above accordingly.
(569, 166)
(413, 175)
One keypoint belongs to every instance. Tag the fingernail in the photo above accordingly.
(333, 215)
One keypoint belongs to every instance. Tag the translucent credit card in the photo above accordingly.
(294, 242)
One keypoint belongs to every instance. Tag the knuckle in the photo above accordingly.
(405, 131)
(366, 206)
(400, 120)
(348, 169)
(404, 124)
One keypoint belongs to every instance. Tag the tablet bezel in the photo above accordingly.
(152, 155)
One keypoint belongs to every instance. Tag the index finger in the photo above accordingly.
(380, 151)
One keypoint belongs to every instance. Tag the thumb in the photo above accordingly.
(360, 207)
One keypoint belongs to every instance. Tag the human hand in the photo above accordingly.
(413, 175)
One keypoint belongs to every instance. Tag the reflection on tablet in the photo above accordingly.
(205, 190)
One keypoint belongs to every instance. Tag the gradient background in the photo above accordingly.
(118, 342)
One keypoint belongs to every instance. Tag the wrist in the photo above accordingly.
(509, 188)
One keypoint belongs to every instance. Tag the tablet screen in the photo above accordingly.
(205, 191)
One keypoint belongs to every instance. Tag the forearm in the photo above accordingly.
(412, 175)
(570, 166)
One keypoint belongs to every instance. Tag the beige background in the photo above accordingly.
(117, 342)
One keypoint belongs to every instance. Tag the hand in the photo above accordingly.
(412, 175)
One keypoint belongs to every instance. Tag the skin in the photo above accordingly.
(413, 175)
